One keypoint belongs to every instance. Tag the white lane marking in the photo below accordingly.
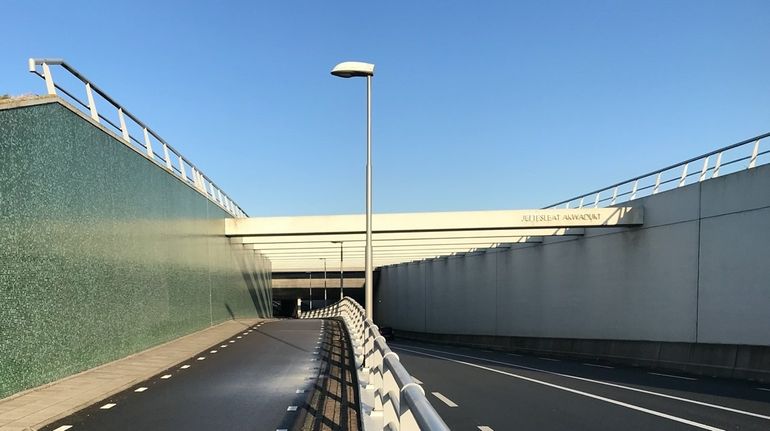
(239, 337)
(484, 428)
(185, 366)
(672, 376)
(107, 406)
(63, 428)
(446, 400)
(598, 366)
(416, 380)
(300, 391)
(291, 409)
(223, 346)
(200, 358)
(575, 391)
(213, 351)
(142, 389)
(763, 389)
(232, 341)
(513, 354)
(549, 359)
(599, 382)
(165, 376)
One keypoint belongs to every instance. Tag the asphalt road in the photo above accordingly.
(483, 390)
(248, 382)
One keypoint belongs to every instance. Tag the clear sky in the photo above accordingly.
(477, 105)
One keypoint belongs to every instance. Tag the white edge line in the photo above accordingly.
(444, 399)
(599, 366)
(63, 428)
(575, 391)
(672, 376)
(614, 385)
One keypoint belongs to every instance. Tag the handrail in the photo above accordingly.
(390, 398)
(634, 191)
(197, 179)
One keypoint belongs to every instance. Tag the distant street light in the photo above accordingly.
(342, 290)
(351, 69)
(310, 277)
(325, 299)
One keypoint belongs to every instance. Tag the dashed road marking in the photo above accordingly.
(107, 406)
(513, 354)
(763, 389)
(598, 366)
(63, 428)
(444, 399)
(574, 391)
(484, 428)
(673, 376)
(165, 376)
(300, 391)
(239, 337)
(291, 409)
(223, 346)
(213, 351)
(142, 389)
(232, 341)
(550, 359)
(584, 379)
(185, 366)
(200, 358)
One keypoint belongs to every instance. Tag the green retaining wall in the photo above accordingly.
(102, 252)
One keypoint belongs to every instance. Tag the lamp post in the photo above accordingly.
(351, 69)
(310, 277)
(342, 290)
(325, 299)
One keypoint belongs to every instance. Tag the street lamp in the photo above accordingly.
(351, 69)
(324, 259)
(310, 277)
(342, 290)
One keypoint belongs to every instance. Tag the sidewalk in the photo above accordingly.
(37, 407)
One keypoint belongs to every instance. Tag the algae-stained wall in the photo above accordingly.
(696, 272)
(102, 252)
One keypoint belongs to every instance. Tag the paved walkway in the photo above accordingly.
(40, 406)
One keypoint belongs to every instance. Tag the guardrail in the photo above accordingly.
(728, 159)
(145, 146)
(390, 399)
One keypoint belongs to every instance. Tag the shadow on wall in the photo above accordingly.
(247, 273)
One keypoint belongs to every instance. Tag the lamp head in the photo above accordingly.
(350, 69)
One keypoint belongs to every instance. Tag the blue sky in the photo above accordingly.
(477, 105)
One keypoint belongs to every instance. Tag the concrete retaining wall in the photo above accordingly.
(102, 252)
(696, 273)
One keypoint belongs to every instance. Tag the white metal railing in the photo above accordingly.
(390, 399)
(741, 155)
(149, 144)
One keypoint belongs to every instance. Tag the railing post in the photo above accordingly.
(754, 154)
(633, 192)
(683, 179)
(704, 169)
(597, 199)
(717, 165)
(182, 171)
(91, 103)
(656, 189)
(123, 128)
(166, 156)
(148, 144)
(614, 196)
(49, 85)
(580, 205)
